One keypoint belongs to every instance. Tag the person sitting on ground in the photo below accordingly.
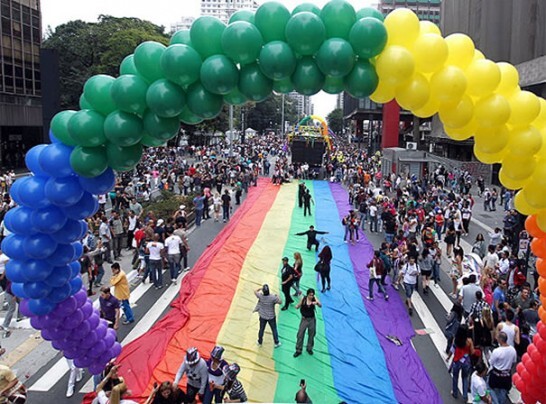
(301, 395)
(233, 387)
(166, 393)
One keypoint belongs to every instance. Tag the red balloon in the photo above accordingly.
(527, 398)
(520, 367)
(534, 353)
(526, 376)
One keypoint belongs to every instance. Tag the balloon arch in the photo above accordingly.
(332, 49)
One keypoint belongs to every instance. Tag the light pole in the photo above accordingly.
(282, 116)
(231, 137)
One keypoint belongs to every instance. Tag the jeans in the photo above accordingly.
(498, 396)
(436, 272)
(127, 310)
(296, 286)
(438, 228)
(157, 272)
(107, 254)
(308, 324)
(306, 209)
(363, 218)
(389, 237)
(100, 274)
(373, 224)
(12, 305)
(210, 394)
(225, 210)
(198, 216)
(459, 367)
(273, 324)
(117, 245)
(174, 265)
(379, 286)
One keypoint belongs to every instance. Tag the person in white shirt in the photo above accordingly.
(409, 273)
(155, 249)
(502, 360)
(106, 237)
(173, 243)
(132, 220)
(491, 260)
(478, 386)
(372, 211)
(504, 264)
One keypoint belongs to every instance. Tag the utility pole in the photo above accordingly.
(282, 116)
(231, 137)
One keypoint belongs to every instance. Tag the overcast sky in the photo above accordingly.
(160, 12)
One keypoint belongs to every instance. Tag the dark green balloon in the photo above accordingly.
(271, 19)
(255, 85)
(89, 161)
(219, 75)
(129, 93)
(127, 66)
(123, 158)
(338, 17)
(283, 86)
(151, 141)
(147, 59)
(84, 104)
(203, 103)
(368, 37)
(306, 7)
(333, 85)
(362, 81)
(182, 36)
(181, 64)
(369, 12)
(335, 57)
(86, 128)
(277, 61)
(242, 15)
(160, 128)
(189, 118)
(165, 98)
(235, 97)
(59, 126)
(97, 93)
(206, 36)
(305, 32)
(307, 79)
(123, 128)
(241, 42)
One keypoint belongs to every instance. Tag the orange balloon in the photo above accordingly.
(531, 226)
(541, 267)
(542, 314)
(542, 286)
(538, 247)
(543, 299)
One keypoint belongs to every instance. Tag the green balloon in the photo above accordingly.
(219, 75)
(123, 158)
(310, 7)
(160, 128)
(368, 37)
(203, 103)
(242, 15)
(335, 57)
(307, 79)
(271, 19)
(305, 32)
(127, 66)
(129, 93)
(338, 17)
(255, 85)
(333, 85)
(369, 12)
(283, 86)
(151, 141)
(189, 118)
(84, 104)
(89, 161)
(277, 61)
(241, 42)
(97, 93)
(147, 59)
(362, 81)
(165, 98)
(59, 127)
(123, 128)
(235, 97)
(86, 128)
(181, 64)
(181, 36)
(206, 36)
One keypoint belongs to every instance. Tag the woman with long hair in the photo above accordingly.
(298, 272)
(479, 247)
(325, 257)
(462, 350)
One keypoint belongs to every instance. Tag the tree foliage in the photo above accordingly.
(335, 121)
(268, 114)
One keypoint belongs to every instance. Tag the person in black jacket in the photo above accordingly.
(287, 277)
(312, 237)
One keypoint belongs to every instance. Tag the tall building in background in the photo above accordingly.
(425, 9)
(183, 23)
(304, 105)
(20, 80)
(223, 9)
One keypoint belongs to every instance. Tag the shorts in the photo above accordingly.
(426, 273)
(409, 288)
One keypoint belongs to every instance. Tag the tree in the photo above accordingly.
(268, 114)
(335, 120)
(86, 49)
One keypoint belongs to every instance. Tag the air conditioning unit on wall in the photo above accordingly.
(411, 146)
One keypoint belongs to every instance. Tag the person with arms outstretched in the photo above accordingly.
(312, 237)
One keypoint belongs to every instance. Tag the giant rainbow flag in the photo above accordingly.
(353, 360)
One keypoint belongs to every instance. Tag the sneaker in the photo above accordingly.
(369, 298)
(79, 376)
(323, 290)
(70, 391)
(187, 269)
(328, 288)
(453, 295)
(436, 285)
(278, 344)
(387, 297)
(7, 334)
(310, 351)
(296, 354)
(258, 343)
(160, 287)
(396, 287)
(125, 322)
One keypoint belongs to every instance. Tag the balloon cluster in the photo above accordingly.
(44, 249)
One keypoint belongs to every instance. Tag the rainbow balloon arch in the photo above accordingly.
(312, 127)
(332, 49)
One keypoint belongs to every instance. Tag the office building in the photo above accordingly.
(183, 23)
(425, 9)
(223, 9)
(304, 105)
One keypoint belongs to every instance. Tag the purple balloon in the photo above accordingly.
(115, 350)
(37, 322)
(52, 321)
(101, 329)
(81, 331)
(105, 358)
(96, 368)
(83, 361)
(71, 353)
(81, 297)
(93, 321)
(47, 334)
(59, 344)
(24, 309)
(99, 348)
(87, 309)
(65, 308)
(110, 338)
(74, 320)
(59, 333)
(90, 341)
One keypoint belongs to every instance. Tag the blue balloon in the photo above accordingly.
(63, 191)
(39, 246)
(14, 190)
(19, 220)
(63, 255)
(69, 233)
(32, 160)
(36, 290)
(100, 184)
(37, 270)
(15, 271)
(84, 229)
(87, 206)
(75, 269)
(40, 307)
(78, 248)
(18, 290)
(48, 220)
(31, 192)
(76, 285)
(55, 160)
(53, 138)
(13, 247)
(59, 276)
(59, 294)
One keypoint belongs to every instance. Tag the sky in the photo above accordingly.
(160, 12)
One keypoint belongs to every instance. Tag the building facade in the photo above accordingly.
(223, 9)
(183, 23)
(304, 105)
(429, 10)
(20, 80)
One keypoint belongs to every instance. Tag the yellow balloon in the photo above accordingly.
(483, 77)
(489, 158)
(402, 27)
(539, 175)
(522, 206)
(458, 116)
(542, 151)
(383, 93)
(462, 133)
(509, 79)
(395, 65)
(478, 55)
(540, 120)
(413, 94)
(525, 141)
(430, 53)
(461, 50)
(427, 110)
(525, 108)
(492, 111)
(534, 195)
(541, 220)
(510, 183)
(448, 85)
(518, 168)
(492, 140)
(428, 27)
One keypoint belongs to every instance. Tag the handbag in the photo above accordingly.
(319, 267)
